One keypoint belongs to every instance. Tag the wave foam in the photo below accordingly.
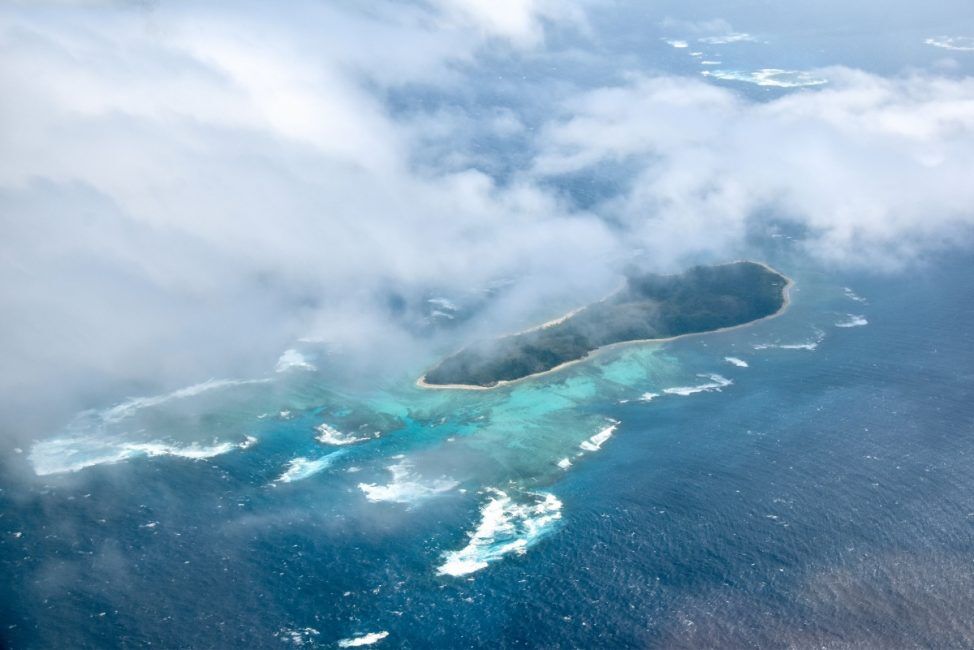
(853, 321)
(505, 527)
(62, 455)
(648, 397)
(770, 77)
(811, 344)
(406, 486)
(299, 636)
(725, 39)
(852, 295)
(365, 639)
(716, 383)
(301, 468)
(740, 363)
(595, 442)
(332, 436)
(293, 360)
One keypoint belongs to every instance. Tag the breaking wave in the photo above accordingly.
(595, 442)
(406, 486)
(364, 639)
(302, 468)
(297, 636)
(853, 321)
(716, 383)
(811, 344)
(740, 363)
(506, 526)
(852, 295)
(293, 360)
(94, 438)
(72, 454)
(332, 436)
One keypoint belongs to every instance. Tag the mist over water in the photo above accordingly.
(234, 239)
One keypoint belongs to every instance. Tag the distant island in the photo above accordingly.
(648, 308)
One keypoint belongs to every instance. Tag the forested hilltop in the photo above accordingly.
(651, 306)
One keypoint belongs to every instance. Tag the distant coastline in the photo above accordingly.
(785, 303)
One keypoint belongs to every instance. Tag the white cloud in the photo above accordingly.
(875, 168)
(186, 190)
(189, 189)
(520, 21)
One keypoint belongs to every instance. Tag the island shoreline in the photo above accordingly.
(785, 303)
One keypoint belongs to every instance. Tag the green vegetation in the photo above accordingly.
(702, 299)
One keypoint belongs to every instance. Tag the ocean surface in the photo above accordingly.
(803, 482)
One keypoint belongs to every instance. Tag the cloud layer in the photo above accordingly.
(185, 190)
(874, 170)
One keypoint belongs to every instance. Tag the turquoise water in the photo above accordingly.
(656, 495)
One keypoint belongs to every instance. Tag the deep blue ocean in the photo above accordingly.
(654, 496)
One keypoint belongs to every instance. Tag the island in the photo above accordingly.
(647, 308)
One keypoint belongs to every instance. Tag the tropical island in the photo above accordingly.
(648, 308)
